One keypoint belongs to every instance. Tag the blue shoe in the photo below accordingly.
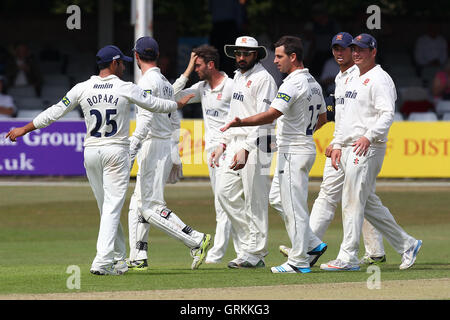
(339, 265)
(410, 255)
(289, 268)
(316, 253)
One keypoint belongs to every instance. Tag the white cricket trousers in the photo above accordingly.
(244, 196)
(147, 204)
(224, 228)
(324, 208)
(108, 172)
(289, 196)
(359, 200)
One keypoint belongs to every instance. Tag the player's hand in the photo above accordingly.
(336, 158)
(135, 145)
(15, 133)
(234, 123)
(361, 146)
(215, 156)
(328, 151)
(191, 65)
(239, 160)
(175, 174)
(183, 101)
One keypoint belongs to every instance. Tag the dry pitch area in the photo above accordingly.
(433, 289)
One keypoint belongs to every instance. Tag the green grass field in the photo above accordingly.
(45, 229)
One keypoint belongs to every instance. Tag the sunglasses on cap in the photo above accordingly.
(239, 53)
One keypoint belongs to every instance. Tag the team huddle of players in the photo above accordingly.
(240, 116)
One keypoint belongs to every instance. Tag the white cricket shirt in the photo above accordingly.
(6, 101)
(158, 125)
(253, 93)
(106, 107)
(215, 105)
(300, 99)
(369, 105)
(339, 92)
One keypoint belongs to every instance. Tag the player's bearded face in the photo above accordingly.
(245, 63)
(119, 68)
(201, 69)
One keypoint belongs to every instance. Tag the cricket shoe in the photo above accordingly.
(107, 270)
(289, 268)
(121, 266)
(284, 250)
(138, 265)
(199, 254)
(339, 265)
(315, 253)
(368, 260)
(239, 263)
(410, 255)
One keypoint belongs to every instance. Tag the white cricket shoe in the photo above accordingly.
(410, 255)
(314, 254)
(289, 268)
(106, 270)
(339, 265)
(121, 266)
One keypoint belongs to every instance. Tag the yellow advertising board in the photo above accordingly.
(414, 150)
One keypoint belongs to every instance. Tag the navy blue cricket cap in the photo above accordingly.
(110, 53)
(365, 40)
(343, 39)
(146, 46)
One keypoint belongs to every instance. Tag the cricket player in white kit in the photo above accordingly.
(105, 101)
(359, 149)
(155, 132)
(243, 189)
(330, 193)
(214, 91)
(299, 107)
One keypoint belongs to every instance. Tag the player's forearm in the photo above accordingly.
(179, 84)
(50, 115)
(19, 132)
(260, 119)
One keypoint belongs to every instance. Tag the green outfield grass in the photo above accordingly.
(45, 229)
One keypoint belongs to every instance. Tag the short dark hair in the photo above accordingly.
(208, 53)
(291, 45)
(104, 65)
(149, 55)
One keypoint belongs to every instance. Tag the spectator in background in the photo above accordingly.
(431, 48)
(267, 63)
(4, 58)
(324, 28)
(7, 107)
(329, 73)
(441, 84)
(228, 23)
(23, 69)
